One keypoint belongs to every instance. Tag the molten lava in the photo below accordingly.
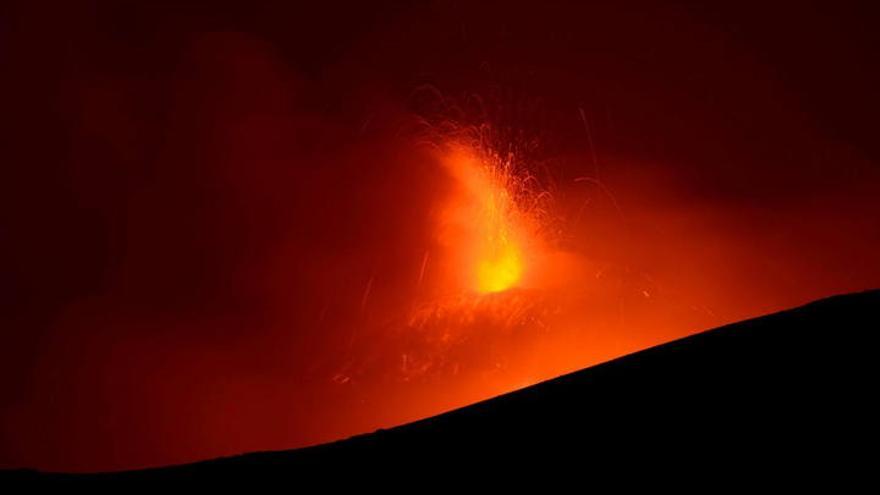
(492, 238)
(501, 270)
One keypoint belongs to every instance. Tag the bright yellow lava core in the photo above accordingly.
(500, 272)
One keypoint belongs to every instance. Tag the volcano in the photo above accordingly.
(788, 389)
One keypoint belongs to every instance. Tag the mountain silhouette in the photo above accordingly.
(789, 394)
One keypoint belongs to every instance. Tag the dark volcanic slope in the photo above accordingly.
(794, 388)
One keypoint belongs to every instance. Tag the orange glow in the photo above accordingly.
(493, 239)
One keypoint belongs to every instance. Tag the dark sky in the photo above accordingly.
(196, 196)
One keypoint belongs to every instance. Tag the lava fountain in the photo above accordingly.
(486, 225)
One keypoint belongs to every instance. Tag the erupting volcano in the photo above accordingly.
(244, 226)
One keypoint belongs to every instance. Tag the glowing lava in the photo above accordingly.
(501, 270)
(484, 224)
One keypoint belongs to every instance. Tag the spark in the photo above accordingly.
(366, 295)
(422, 269)
(593, 154)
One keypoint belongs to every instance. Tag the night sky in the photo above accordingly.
(213, 214)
